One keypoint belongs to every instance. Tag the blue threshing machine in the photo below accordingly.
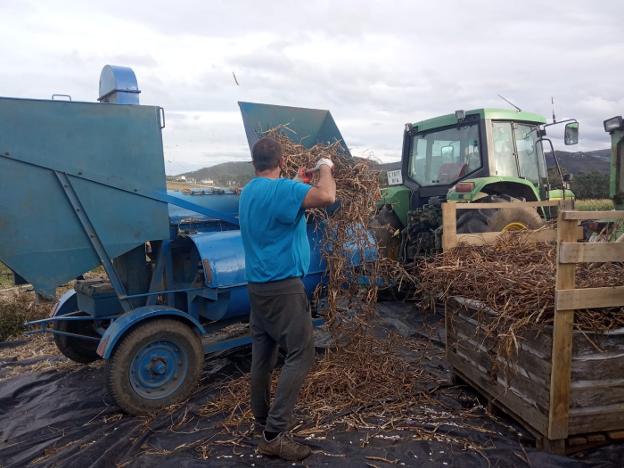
(83, 184)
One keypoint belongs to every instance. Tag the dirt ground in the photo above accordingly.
(58, 413)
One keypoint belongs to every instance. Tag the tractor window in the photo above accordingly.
(529, 157)
(443, 156)
(503, 151)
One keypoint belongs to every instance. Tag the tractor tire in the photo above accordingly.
(156, 364)
(76, 349)
(498, 220)
(384, 226)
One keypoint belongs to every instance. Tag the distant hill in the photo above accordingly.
(574, 162)
(239, 172)
(391, 166)
(584, 162)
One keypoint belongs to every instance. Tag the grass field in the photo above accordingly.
(6, 277)
(180, 186)
(594, 205)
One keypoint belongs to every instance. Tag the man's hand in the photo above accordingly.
(321, 162)
(303, 175)
(324, 193)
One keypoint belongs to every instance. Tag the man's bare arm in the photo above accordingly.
(324, 193)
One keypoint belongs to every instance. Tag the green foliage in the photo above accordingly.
(594, 205)
(239, 172)
(585, 185)
(12, 319)
(6, 277)
(16, 310)
(593, 185)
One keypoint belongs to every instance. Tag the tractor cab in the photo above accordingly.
(489, 155)
(498, 145)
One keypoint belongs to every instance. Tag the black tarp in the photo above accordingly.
(65, 417)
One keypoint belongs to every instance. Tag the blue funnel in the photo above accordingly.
(308, 126)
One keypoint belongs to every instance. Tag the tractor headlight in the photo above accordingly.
(612, 124)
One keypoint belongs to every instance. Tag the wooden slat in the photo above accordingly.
(596, 419)
(530, 417)
(449, 225)
(616, 435)
(583, 215)
(478, 206)
(590, 298)
(573, 252)
(576, 441)
(562, 341)
(596, 438)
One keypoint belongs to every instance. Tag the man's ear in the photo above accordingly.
(281, 163)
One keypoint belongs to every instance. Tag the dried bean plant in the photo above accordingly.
(515, 279)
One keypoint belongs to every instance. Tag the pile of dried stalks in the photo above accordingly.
(357, 192)
(25, 354)
(16, 307)
(364, 381)
(516, 279)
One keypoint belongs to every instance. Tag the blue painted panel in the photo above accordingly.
(223, 202)
(216, 346)
(126, 321)
(308, 126)
(225, 254)
(67, 303)
(40, 236)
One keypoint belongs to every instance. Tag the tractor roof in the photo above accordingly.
(494, 114)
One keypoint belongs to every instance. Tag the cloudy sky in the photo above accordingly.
(374, 64)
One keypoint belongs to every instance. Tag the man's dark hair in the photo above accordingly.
(266, 154)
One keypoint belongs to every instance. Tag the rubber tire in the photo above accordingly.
(81, 351)
(383, 225)
(494, 220)
(118, 366)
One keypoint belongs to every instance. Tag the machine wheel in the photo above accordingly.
(76, 349)
(494, 220)
(155, 365)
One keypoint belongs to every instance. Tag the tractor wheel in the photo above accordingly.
(156, 364)
(384, 225)
(76, 349)
(498, 220)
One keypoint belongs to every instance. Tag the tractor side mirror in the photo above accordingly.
(571, 133)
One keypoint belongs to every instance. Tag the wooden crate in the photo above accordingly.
(521, 386)
(566, 387)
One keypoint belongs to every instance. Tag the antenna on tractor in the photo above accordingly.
(552, 101)
(509, 102)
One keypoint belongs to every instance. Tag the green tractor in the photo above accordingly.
(484, 155)
(615, 127)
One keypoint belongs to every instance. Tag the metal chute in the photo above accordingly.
(305, 126)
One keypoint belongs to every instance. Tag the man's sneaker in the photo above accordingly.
(283, 446)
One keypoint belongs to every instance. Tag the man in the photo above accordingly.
(277, 255)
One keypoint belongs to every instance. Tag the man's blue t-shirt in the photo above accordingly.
(273, 229)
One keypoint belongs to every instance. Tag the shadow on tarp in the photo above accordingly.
(67, 418)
